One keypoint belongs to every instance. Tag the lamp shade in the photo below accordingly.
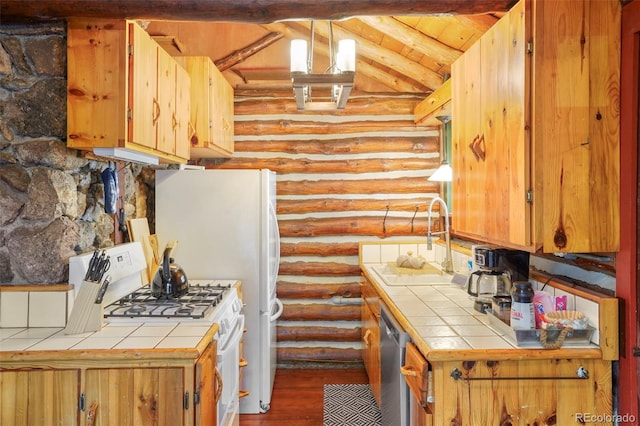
(347, 55)
(444, 173)
(299, 56)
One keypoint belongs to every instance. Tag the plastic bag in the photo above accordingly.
(110, 181)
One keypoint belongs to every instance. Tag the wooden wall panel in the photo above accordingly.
(342, 177)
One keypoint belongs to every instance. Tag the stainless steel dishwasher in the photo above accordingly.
(395, 392)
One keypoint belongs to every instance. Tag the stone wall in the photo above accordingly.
(51, 197)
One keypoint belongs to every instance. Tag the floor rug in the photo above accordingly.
(350, 405)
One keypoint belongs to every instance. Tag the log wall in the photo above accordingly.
(342, 177)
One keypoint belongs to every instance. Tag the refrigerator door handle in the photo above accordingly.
(274, 220)
(277, 314)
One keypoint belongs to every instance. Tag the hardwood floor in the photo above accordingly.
(298, 394)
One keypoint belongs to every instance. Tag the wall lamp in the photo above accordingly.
(339, 76)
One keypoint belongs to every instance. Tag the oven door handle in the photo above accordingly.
(237, 333)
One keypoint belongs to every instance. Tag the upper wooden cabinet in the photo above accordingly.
(125, 91)
(535, 130)
(211, 108)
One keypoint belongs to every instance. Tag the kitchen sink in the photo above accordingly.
(394, 276)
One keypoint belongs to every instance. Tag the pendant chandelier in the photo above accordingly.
(338, 77)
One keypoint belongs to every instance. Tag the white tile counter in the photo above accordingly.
(439, 315)
(116, 335)
(443, 316)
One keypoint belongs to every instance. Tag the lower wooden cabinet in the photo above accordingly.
(134, 396)
(102, 391)
(39, 397)
(371, 338)
(508, 392)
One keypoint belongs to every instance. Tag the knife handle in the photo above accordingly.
(103, 289)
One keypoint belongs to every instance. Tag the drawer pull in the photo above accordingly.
(408, 371)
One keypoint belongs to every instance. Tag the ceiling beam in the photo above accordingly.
(250, 11)
(428, 46)
(240, 55)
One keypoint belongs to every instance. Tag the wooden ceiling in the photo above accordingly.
(404, 46)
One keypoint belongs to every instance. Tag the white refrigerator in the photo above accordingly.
(226, 227)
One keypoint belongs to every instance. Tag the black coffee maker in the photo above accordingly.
(497, 269)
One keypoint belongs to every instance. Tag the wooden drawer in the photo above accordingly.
(416, 373)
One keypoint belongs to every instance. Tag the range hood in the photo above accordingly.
(126, 154)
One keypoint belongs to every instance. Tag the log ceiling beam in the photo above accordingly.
(428, 46)
(240, 55)
(250, 11)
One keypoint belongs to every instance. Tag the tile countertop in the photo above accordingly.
(119, 339)
(444, 326)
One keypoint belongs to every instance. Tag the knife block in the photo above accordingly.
(86, 315)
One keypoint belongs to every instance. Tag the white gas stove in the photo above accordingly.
(206, 301)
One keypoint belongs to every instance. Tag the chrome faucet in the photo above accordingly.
(447, 264)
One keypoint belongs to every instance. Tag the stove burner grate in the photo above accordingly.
(196, 303)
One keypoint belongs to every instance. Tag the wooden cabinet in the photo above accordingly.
(135, 396)
(154, 395)
(535, 130)
(506, 391)
(35, 397)
(211, 108)
(125, 91)
(371, 338)
(207, 388)
(152, 390)
(526, 392)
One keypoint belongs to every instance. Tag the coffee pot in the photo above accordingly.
(483, 285)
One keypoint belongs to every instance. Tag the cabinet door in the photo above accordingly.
(144, 107)
(182, 128)
(221, 104)
(226, 113)
(166, 96)
(469, 200)
(370, 313)
(577, 119)
(371, 350)
(208, 387)
(525, 392)
(39, 397)
(136, 396)
(491, 147)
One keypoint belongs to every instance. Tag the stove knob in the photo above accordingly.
(237, 306)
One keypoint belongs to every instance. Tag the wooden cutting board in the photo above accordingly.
(139, 231)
